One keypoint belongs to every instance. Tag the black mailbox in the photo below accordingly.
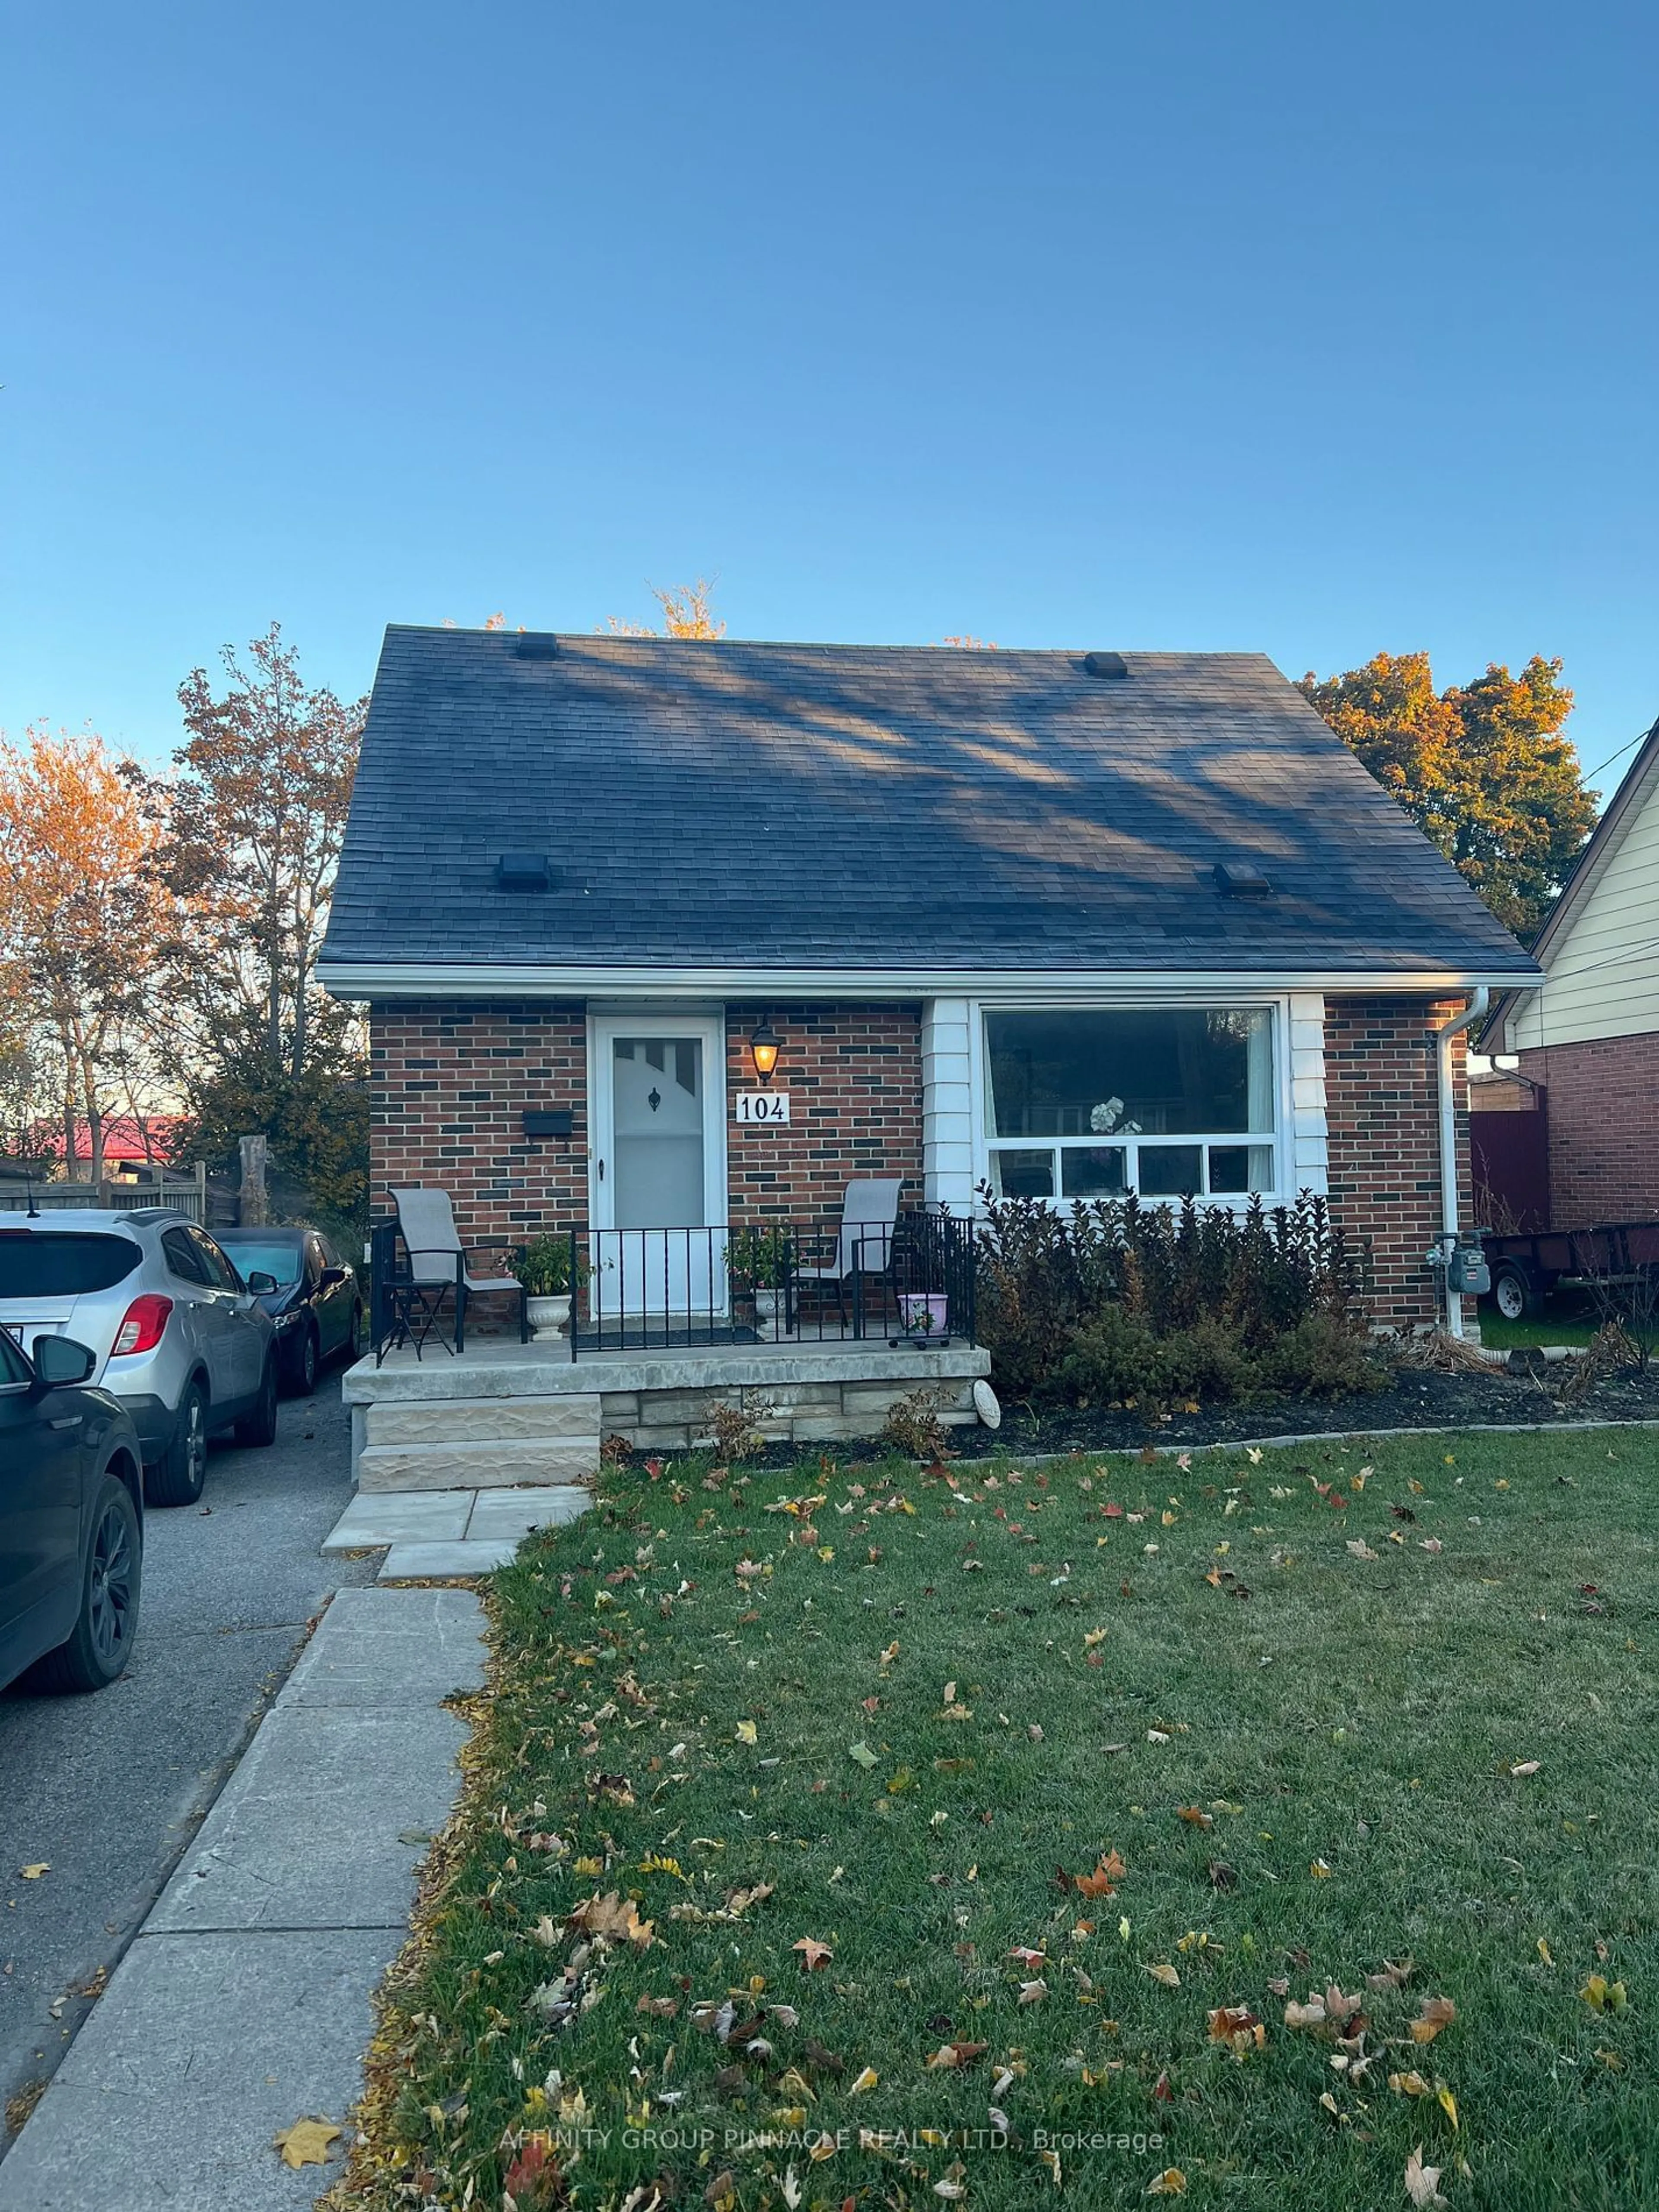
(557, 1123)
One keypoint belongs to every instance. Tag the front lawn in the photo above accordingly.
(777, 1818)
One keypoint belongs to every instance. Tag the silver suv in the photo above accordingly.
(179, 1337)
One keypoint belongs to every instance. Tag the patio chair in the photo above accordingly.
(864, 1244)
(438, 1265)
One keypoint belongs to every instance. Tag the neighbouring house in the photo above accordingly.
(131, 1142)
(1578, 1053)
(1066, 924)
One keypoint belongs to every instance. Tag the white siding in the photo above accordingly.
(1309, 1153)
(947, 1117)
(1602, 970)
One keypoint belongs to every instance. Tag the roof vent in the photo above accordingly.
(536, 645)
(1105, 664)
(523, 872)
(1242, 879)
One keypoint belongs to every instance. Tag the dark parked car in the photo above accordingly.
(71, 1518)
(317, 1307)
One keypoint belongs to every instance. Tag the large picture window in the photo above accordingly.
(1094, 1103)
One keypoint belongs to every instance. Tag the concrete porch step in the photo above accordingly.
(492, 1465)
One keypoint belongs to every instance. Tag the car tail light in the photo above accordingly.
(141, 1329)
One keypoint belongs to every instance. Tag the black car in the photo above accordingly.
(317, 1306)
(71, 1519)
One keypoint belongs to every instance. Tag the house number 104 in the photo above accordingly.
(763, 1105)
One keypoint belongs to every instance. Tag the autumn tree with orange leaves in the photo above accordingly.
(1484, 769)
(80, 922)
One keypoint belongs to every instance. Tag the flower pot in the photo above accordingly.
(769, 1304)
(548, 1316)
(924, 1316)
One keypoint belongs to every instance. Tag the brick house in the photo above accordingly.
(1585, 1040)
(1066, 924)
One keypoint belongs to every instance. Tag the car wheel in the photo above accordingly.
(96, 1651)
(177, 1477)
(354, 1343)
(259, 1426)
(305, 1361)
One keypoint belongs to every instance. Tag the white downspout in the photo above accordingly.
(1442, 1044)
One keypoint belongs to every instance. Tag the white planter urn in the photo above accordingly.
(549, 1317)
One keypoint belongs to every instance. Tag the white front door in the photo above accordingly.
(657, 1188)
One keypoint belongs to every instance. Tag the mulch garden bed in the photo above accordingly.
(1527, 1393)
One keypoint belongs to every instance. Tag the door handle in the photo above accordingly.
(601, 1171)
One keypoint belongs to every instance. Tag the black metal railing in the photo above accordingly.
(765, 1282)
(386, 1269)
(773, 1282)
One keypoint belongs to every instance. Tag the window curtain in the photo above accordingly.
(1259, 1073)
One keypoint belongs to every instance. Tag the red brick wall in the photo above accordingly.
(1381, 1108)
(1604, 1128)
(448, 1088)
(449, 1085)
(854, 1076)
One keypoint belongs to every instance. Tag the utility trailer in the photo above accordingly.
(1524, 1269)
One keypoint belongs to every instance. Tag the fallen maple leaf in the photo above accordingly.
(1526, 1766)
(1164, 1973)
(813, 1953)
(1603, 1996)
(1360, 1548)
(613, 1917)
(746, 1732)
(1033, 1992)
(950, 2056)
(305, 2143)
(1194, 1816)
(1422, 2181)
(1433, 2014)
(1408, 2085)
(1311, 2015)
(33, 1873)
(1238, 2027)
(1395, 1972)
(1109, 1870)
(1172, 2182)
(865, 2080)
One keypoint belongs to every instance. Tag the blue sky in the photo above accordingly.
(1308, 329)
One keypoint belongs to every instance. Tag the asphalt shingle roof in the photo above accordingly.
(883, 807)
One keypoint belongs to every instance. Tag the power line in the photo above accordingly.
(1637, 740)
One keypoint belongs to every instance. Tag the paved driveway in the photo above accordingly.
(109, 1788)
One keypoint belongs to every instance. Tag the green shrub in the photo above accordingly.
(1046, 1275)
(1324, 1356)
(1208, 1361)
(1114, 1355)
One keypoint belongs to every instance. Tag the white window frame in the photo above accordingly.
(1281, 1140)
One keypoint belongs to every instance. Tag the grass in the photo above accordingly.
(1566, 1319)
(1351, 1730)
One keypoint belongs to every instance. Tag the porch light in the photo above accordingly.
(764, 1043)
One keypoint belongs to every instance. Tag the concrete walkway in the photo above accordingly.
(448, 1535)
(243, 2004)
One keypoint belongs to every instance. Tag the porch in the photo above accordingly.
(501, 1413)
